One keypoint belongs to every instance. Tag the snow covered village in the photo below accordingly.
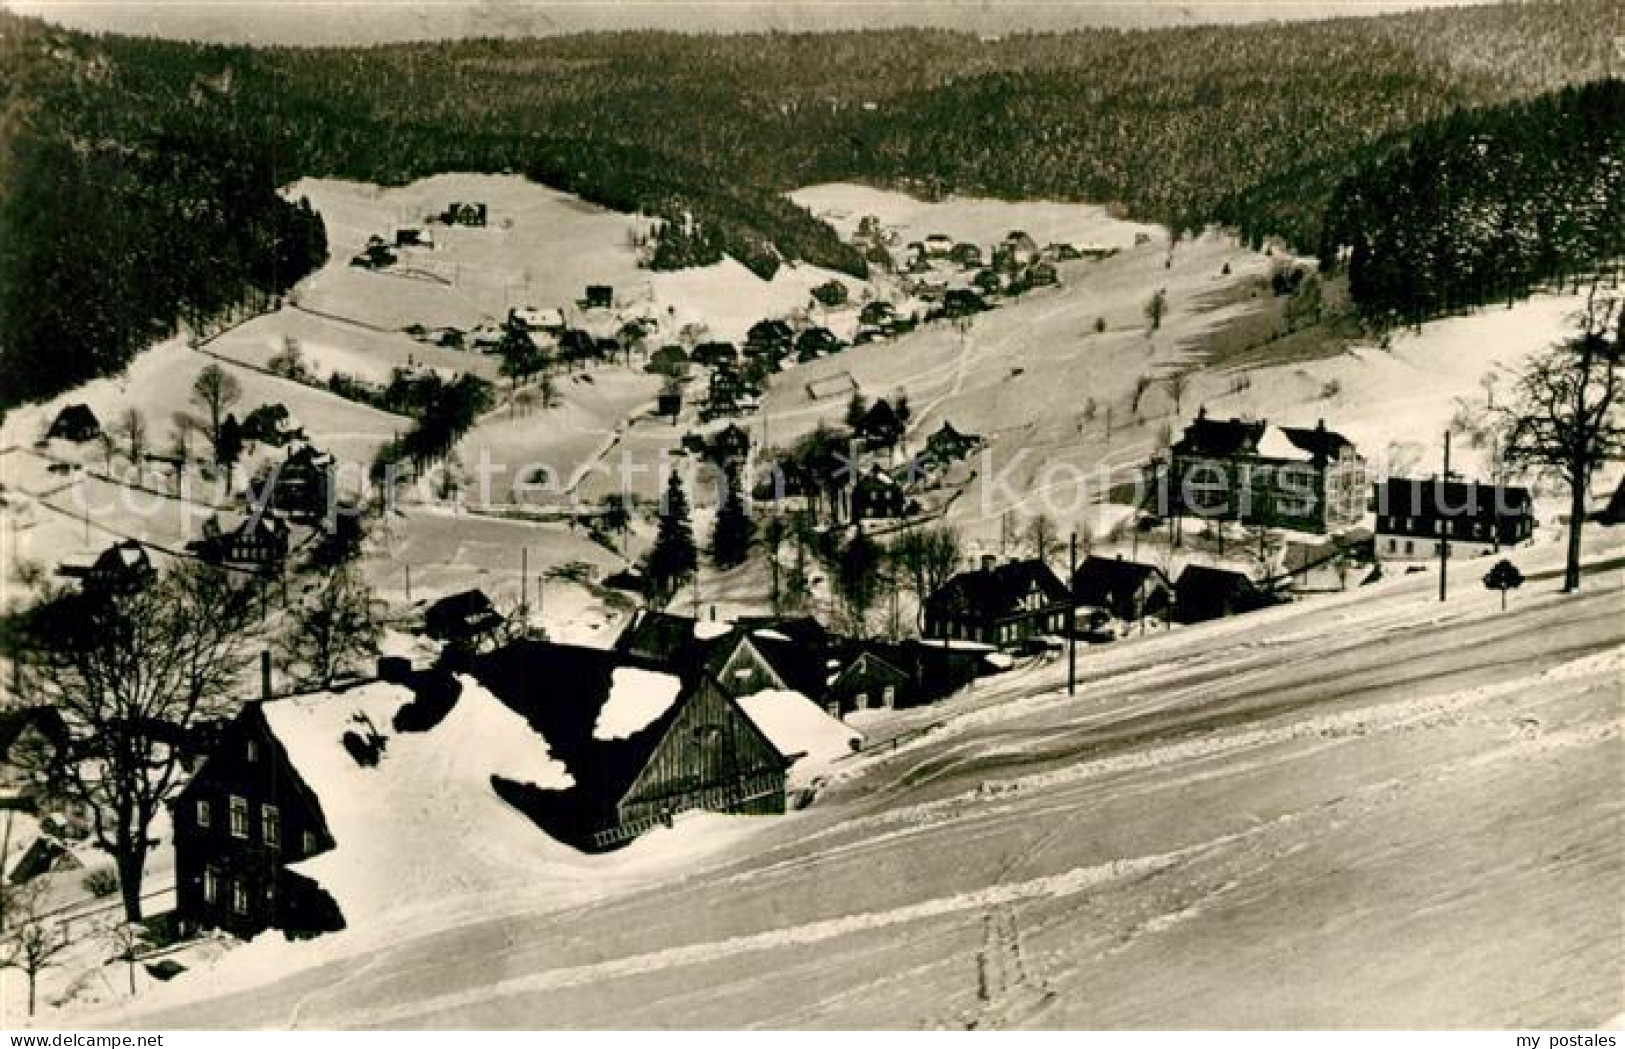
(458, 581)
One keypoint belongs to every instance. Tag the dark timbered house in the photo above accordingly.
(238, 825)
(999, 604)
(1416, 516)
(1126, 589)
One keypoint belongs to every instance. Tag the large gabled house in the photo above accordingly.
(946, 444)
(1306, 479)
(32, 741)
(242, 820)
(1416, 516)
(1127, 590)
(999, 604)
(876, 495)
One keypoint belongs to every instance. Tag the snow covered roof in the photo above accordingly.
(1275, 444)
(798, 727)
(637, 697)
(426, 787)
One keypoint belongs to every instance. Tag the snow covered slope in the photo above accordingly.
(1316, 815)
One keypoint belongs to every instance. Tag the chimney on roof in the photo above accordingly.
(265, 674)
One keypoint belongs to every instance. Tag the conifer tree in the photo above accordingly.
(732, 535)
(673, 557)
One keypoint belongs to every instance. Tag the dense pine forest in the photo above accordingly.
(138, 177)
(1485, 205)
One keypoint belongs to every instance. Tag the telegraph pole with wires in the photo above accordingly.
(1444, 525)
(1072, 620)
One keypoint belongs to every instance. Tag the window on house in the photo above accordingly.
(211, 885)
(309, 842)
(1410, 547)
(239, 895)
(888, 698)
(239, 817)
(203, 814)
(251, 750)
(270, 825)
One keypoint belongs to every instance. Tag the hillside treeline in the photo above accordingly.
(1253, 126)
(1485, 205)
(114, 228)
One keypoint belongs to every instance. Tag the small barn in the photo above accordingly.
(1126, 589)
(870, 675)
(841, 384)
(1204, 592)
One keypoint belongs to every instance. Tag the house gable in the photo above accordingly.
(709, 756)
(747, 671)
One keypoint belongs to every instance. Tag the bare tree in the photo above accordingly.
(1565, 410)
(126, 939)
(1042, 537)
(133, 673)
(332, 629)
(32, 945)
(1141, 385)
(216, 391)
(132, 428)
(928, 557)
(1176, 385)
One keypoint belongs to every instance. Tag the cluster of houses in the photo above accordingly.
(938, 264)
(679, 715)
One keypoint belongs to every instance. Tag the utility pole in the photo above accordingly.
(1072, 620)
(408, 584)
(1444, 526)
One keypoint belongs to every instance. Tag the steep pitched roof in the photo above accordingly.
(1434, 498)
(46, 720)
(997, 591)
(1208, 580)
(659, 637)
(560, 691)
(1219, 437)
(1099, 579)
(564, 691)
(800, 666)
(1318, 441)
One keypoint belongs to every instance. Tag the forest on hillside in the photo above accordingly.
(1485, 205)
(170, 152)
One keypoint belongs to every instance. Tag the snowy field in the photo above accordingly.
(1370, 810)
(978, 220)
